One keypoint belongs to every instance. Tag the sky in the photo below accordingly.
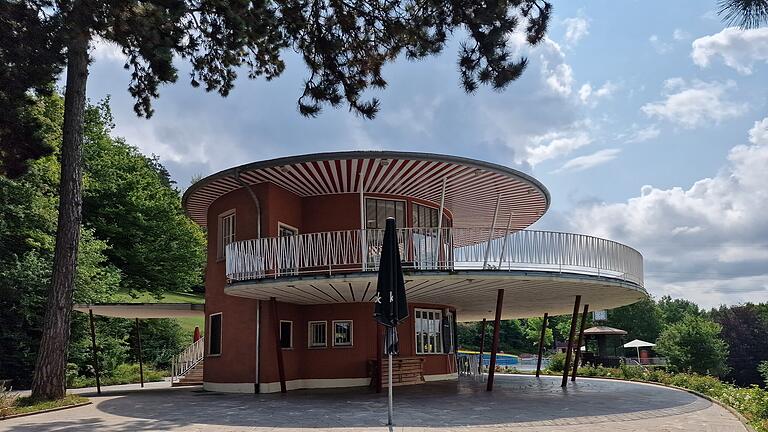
(646, 120)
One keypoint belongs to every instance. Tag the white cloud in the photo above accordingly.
(638, 135)
(693, 104)
(680, 34)
(559, 79)
(555, 144)
(582, 163)
(103, 50)
(659, 45)
(739, 49)
(576, 28)
(705, 242)
(590, 96)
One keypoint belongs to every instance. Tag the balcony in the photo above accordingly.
(448, 250)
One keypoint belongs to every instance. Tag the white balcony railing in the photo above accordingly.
(425, 249)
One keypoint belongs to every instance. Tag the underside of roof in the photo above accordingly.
(472, 188)
(143, 310)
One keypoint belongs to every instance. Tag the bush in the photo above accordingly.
(694, 345)
(557, 362)
(7, 400)
(763, 369)
(122, 374)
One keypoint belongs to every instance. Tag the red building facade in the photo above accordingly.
(292, 255)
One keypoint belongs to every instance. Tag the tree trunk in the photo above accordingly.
(49, 380)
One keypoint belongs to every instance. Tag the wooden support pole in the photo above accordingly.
(278, 348)
(482, 347)
(572, 334)
(495, 343)
(141, 355)
(379, 357)
(541, 343)
(95, 353)
(577, 356)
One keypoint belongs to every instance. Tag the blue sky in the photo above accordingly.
(646, 127)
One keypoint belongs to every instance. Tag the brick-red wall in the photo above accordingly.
(237, 363)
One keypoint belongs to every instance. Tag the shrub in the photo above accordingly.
(557, 362)
(763, 369)
(122, 374)
(7, 400)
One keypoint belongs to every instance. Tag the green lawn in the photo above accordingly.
(187, 324)
(11, 406)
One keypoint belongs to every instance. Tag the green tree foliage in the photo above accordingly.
(746, 333)
(641, 320)
(27, 235)
(673, 310)
(532, 329)
(694, 344)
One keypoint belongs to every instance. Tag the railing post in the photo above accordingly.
(490, 234)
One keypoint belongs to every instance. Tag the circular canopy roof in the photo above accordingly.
(472, 187)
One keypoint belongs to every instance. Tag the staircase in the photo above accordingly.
(193, 376)
(187, 367)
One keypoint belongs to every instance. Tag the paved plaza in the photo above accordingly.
(517, 403)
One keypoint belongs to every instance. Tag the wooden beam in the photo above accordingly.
(278, 348)
(541, 343)
(572, 334)
(482, 347)
(141, 355)
(577, 356)
(95, 353)
(495, 343)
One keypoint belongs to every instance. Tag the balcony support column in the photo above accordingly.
(440, 224)
(541, 343)
(495, 343)
(577, 356)
(278, 348)
(490, 233)
(482, 347)
(506, 237)
(569, 351)
(363, 242)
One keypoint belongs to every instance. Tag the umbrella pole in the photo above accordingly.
(389, 378)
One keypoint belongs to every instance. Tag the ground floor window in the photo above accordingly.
(429, 339)
(342, 333)
(317, 334)
(286, 334)
(214, 329)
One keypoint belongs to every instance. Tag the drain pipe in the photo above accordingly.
(257, 372)
(255, 201)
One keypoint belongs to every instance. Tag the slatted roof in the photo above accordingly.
(472, 186)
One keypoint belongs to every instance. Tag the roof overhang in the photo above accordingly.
(472, 186)
(471, 292)
(144, 310)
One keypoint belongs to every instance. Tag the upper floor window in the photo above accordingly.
(378, 210)
(426, 217)
(226, 231)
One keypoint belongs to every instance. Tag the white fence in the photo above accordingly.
(187, 359)
(427, 249)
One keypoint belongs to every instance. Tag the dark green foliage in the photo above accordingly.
(746, 14)
(27, 234)
(673, 310)
(746, 333)
(641, 320)
(694, 345)
(29, 60)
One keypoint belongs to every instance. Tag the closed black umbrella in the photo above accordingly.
(391, 307)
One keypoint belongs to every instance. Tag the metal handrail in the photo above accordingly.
(335, 252)
(187, 359)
